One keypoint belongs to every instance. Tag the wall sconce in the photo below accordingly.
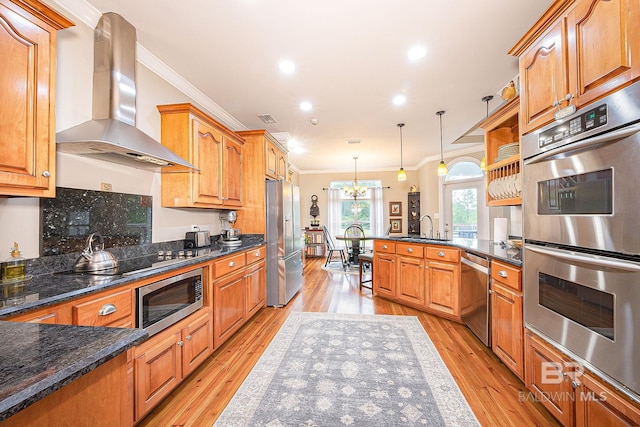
(442, 167)
(402, 175)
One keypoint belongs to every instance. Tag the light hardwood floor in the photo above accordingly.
(490, 388)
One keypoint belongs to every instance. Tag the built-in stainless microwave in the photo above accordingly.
(163, 303)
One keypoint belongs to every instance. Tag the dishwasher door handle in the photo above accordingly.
(475, 266)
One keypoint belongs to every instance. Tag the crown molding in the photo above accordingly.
(89, 15)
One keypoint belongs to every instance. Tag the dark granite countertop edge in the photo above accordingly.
(457, 244)
(32, 394)
(67, 296)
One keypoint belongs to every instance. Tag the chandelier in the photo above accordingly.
(355, 190)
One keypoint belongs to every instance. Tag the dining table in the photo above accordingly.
(355, 245)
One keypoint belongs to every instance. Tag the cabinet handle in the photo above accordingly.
(384, 246)
(440, 253)
(502, 274)
(409, 250)
(188, 337)
(107, 309)
(46, 174)
(232, 263)
(180, 343)
(257, 254)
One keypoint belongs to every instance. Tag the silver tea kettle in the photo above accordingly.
(94, 260)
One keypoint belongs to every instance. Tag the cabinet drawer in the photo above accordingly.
(255, 255)
(384, 246)
(228, 265)
(443, 254)
(506, 274)
(105, 310)
(410, 249)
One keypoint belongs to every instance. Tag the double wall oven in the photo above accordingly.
(581, 204)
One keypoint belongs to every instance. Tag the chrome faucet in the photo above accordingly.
(430, 221)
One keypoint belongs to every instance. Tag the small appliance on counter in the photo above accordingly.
(95, 259)
(197, 239)
(230, 236)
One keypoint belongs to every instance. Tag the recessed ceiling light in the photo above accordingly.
(287, 66)
(399, 99)
(417, 52)
(306, 106)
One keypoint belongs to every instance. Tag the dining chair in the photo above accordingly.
(365, 262)
(353, 245)
(332, 249)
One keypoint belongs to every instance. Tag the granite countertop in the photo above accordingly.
(48, 289)
(40, 359)
(481, 247)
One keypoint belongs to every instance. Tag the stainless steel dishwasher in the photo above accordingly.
(475, 308)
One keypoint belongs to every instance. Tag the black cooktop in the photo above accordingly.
(132, 265)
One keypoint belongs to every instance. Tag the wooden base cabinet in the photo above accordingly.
(410, 265)
(507, 321)
(443, 284)
(574, 396)
(28, 85)
(162, 362)
(597, 404)
(384, 268)
(256, 291)
(547, 377)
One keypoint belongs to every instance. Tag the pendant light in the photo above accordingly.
(442, 167)
(483, 161)
(402, 175)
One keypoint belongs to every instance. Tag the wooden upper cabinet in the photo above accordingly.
(578, 52)
(215, 150)
(263, 156)
(605, 53)
(27, 111)
(543, 79)
(232, 178)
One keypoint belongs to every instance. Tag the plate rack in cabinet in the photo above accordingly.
(502, 153)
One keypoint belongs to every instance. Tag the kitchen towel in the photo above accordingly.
(499, 229)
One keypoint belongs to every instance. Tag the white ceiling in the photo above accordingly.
(350, 58)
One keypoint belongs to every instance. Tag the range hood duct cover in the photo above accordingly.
(112, 134)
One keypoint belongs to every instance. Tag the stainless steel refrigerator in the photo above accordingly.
(284, 248)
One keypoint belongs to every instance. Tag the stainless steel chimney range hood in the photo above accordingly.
(112, 134)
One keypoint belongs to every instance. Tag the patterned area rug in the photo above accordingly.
(327, 369)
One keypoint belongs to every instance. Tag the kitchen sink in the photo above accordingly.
(423, 239)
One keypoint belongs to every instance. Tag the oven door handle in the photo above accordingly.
(605, 137)
(585, 258)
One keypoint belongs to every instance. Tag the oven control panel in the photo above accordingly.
(585, 122)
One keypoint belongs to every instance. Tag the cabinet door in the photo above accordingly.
(546, 378)
(411, 286)
(228, 303)
(282, 165)
(197, 338)
(543, 79)
(256, 295)
(507, 327)
(384, 275)
(232, 167)
(605, 47)
(157, 370)
(27, 84)
(272, 155)
(207, 153)
(598, 405)
(443, 289)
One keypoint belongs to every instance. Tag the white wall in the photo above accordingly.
(19, 216)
